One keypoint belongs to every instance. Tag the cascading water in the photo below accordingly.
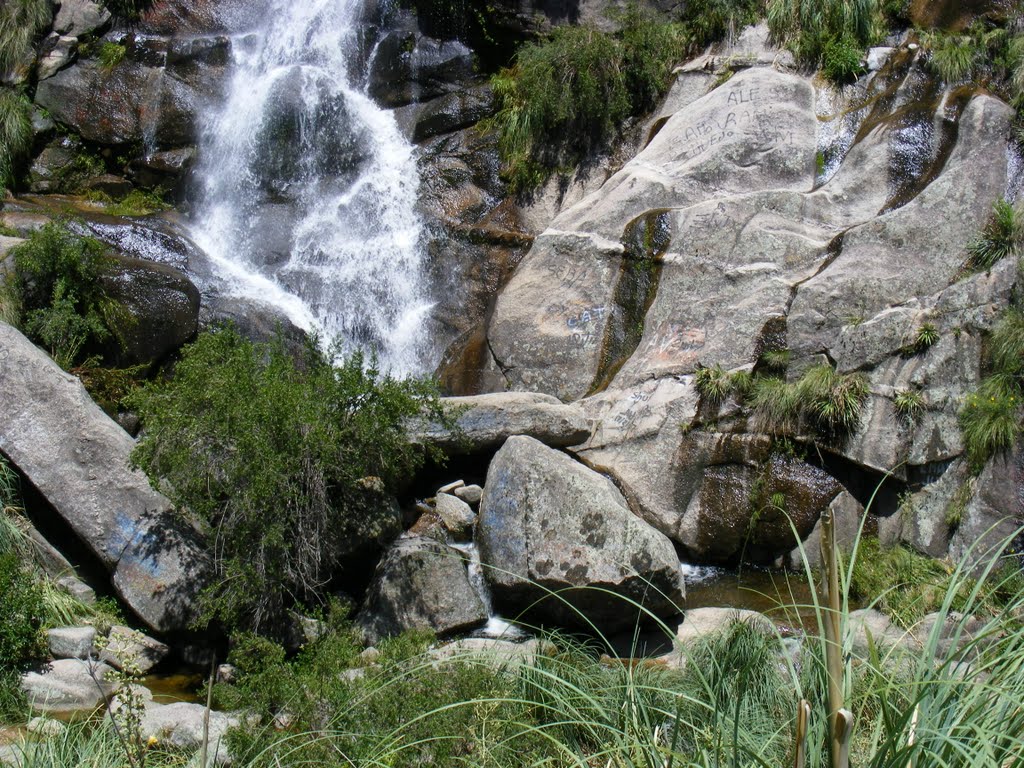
(309, 189)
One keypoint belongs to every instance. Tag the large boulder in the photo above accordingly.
(421, 583)
(994, 513)
(549, 525)
(485, 422)
(78, 459)
(68, 685)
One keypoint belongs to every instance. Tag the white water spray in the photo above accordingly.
(309, 189)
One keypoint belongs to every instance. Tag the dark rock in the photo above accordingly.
(548, 524)
(408, 67)
(421, 583)
(447, 113)
(161, 310)
(994, 513)
(109, 184)
(77, 458)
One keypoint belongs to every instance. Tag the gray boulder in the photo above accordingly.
(550, 525)
(421, 583)
(484, 422)
(129, 649)
(457, 516)
(993, 514)
(68, 685)
(77, 458)
(181, 725)
(80, 17)
(71, 642)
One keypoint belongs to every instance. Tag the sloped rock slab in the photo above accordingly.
(77, 457)
(549, 524)
(485, 422)
(68, 685)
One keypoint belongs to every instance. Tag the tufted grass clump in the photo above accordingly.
(713, 384)
(909, 405)
(708, 21)
(111, 54)
(990, 418)
(829, 33)
(566, 96)
(954, 58)
(15, 133)
(1002, 236)
(822, 400)
(925, 337)
(20, 22)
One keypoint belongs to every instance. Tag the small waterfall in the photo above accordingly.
(308, 189)
(496, 626)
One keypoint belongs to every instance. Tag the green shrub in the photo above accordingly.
(1001, 236)
(15, 133)
(814, 28)
(775, 359)
(57, 286)
(21, 622)
(20, 22)
(564, 97)
(708, 21)
(954, 58)
(902, 584)
(275, 458)
(842, 59)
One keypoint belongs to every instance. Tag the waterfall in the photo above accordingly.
(308, 189)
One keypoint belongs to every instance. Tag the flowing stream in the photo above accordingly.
(309, 189)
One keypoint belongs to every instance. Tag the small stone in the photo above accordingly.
(370, 656)
(71, 642)
(450, 487)
(457, 516)
(129, 647)
(78, 589)
(471, 494)
(45, 727)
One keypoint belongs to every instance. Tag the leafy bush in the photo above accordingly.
(279, 461)
(564, 97)
(842, 59)
(1001, 236)
(56, 282)
(15, 132)
(824, 31)
(20, 22)
(21, 622)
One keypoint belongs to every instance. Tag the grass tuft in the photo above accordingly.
(909, 405)
(1001, 236)
(713, 384)
(15, 133)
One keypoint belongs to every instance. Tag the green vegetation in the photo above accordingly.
(20, 22)
(713, 384)
(707, 21)
(286, 464)
(958, 504)
(1002, 236)
(831, 34)
(111, 54)
(925, 337)
(56, 287)
(775, 359)
(110, 388)
(822, 400)
(15, 132)
(565, 97)
(128, 10)
(990, 416)
(138, 202)
(909, 405)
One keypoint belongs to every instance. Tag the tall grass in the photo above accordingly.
(15, 132)
(816, 29)
(1001, 236)
(20, 22)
